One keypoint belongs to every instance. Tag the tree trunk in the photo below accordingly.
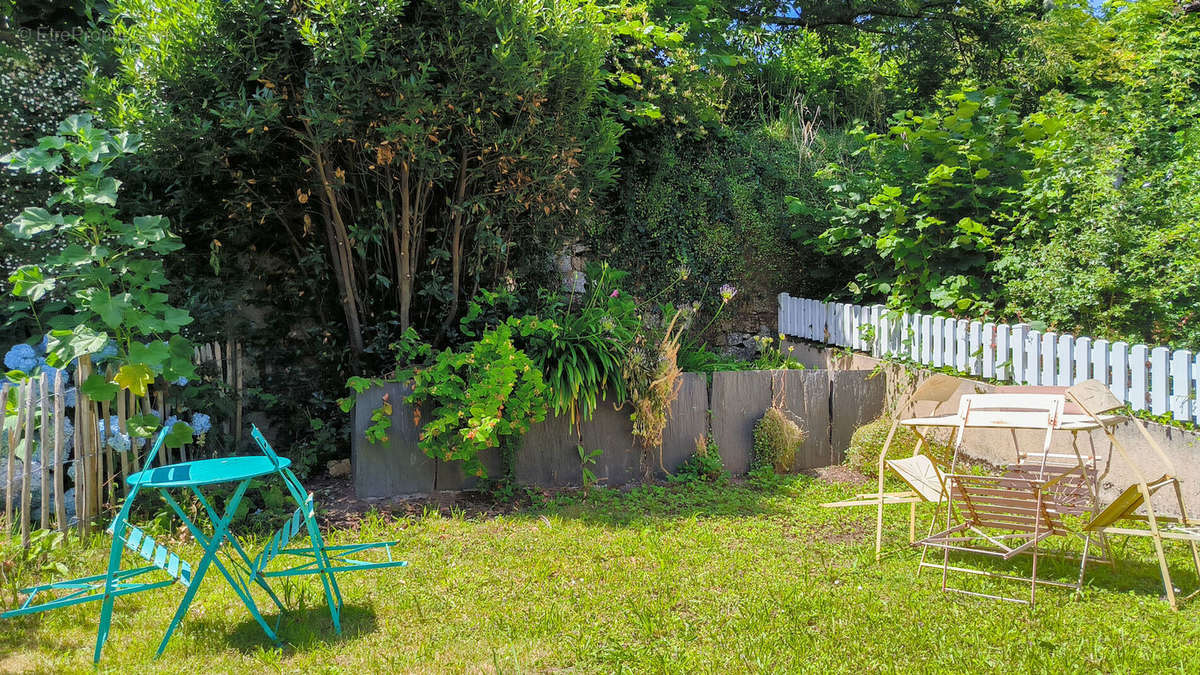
(458, 223)
(405, 282)
(340, 251)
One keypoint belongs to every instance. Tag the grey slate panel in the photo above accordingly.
(688, 421)
(398, 466)
(547, 456)
(738, 402)
(857, 398)
(450, 475)
(611, 431)
(805, 397)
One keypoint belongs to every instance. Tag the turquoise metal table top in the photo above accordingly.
(209, 471)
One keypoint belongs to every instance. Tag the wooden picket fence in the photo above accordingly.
(228, 361)
(100, 471)
(1156, 379)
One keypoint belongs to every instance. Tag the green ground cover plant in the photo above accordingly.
(681, 578)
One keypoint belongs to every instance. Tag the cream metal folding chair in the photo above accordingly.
(1001, 516)
(1027, 502)
(1099, 403)
(920, 471)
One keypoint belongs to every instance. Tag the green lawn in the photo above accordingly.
(679, 578)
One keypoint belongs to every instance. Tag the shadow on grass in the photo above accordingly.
(299, 629)
(1134, 573)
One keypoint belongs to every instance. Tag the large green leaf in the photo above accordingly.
(151, 355)
(34, 221)
(180, 362)
(65, 345)
(33, 160)
(98, 388)
(181, 434)
(103, 192)
(142, 426)
(111, 308)
(175, 318)
(135, 377)
(74, 124)
(30, 282)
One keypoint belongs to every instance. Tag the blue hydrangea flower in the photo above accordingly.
(68, 436)
(181, 382)
(112, 434)
(21, 357)
(109, 351)
(50, 371)
(201, 423)
(119, 442)
(69, 397)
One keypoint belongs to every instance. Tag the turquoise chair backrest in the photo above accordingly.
(289, 478)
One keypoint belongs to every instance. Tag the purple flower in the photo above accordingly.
(614, 294)
(727, 292)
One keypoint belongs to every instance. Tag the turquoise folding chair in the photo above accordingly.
(319, 558)
(115, 582)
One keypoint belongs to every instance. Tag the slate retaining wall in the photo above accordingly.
(548, 456)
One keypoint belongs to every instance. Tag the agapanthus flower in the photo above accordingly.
(727, 292)
(201, 423)
(21, 357)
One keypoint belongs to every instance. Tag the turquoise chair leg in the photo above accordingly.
(320, 554)
(210, 554)
(242, 590)
(333, 594)
(233, 542)
(118, 547)
(106, 608)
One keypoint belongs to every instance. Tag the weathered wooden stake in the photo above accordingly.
(3, 404)
(26, 462)
(44, 448)
(122, 427)
(60, 467)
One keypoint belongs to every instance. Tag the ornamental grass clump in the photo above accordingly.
(867, 442)
(777, 439)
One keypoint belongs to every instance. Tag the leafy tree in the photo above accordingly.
(1113, 202)
(424, 143)
(922, 209)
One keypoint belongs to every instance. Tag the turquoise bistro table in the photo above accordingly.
(191, 476)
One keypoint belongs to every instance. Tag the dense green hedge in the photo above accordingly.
(717, 208)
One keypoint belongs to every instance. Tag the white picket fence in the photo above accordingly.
(1156, 379)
